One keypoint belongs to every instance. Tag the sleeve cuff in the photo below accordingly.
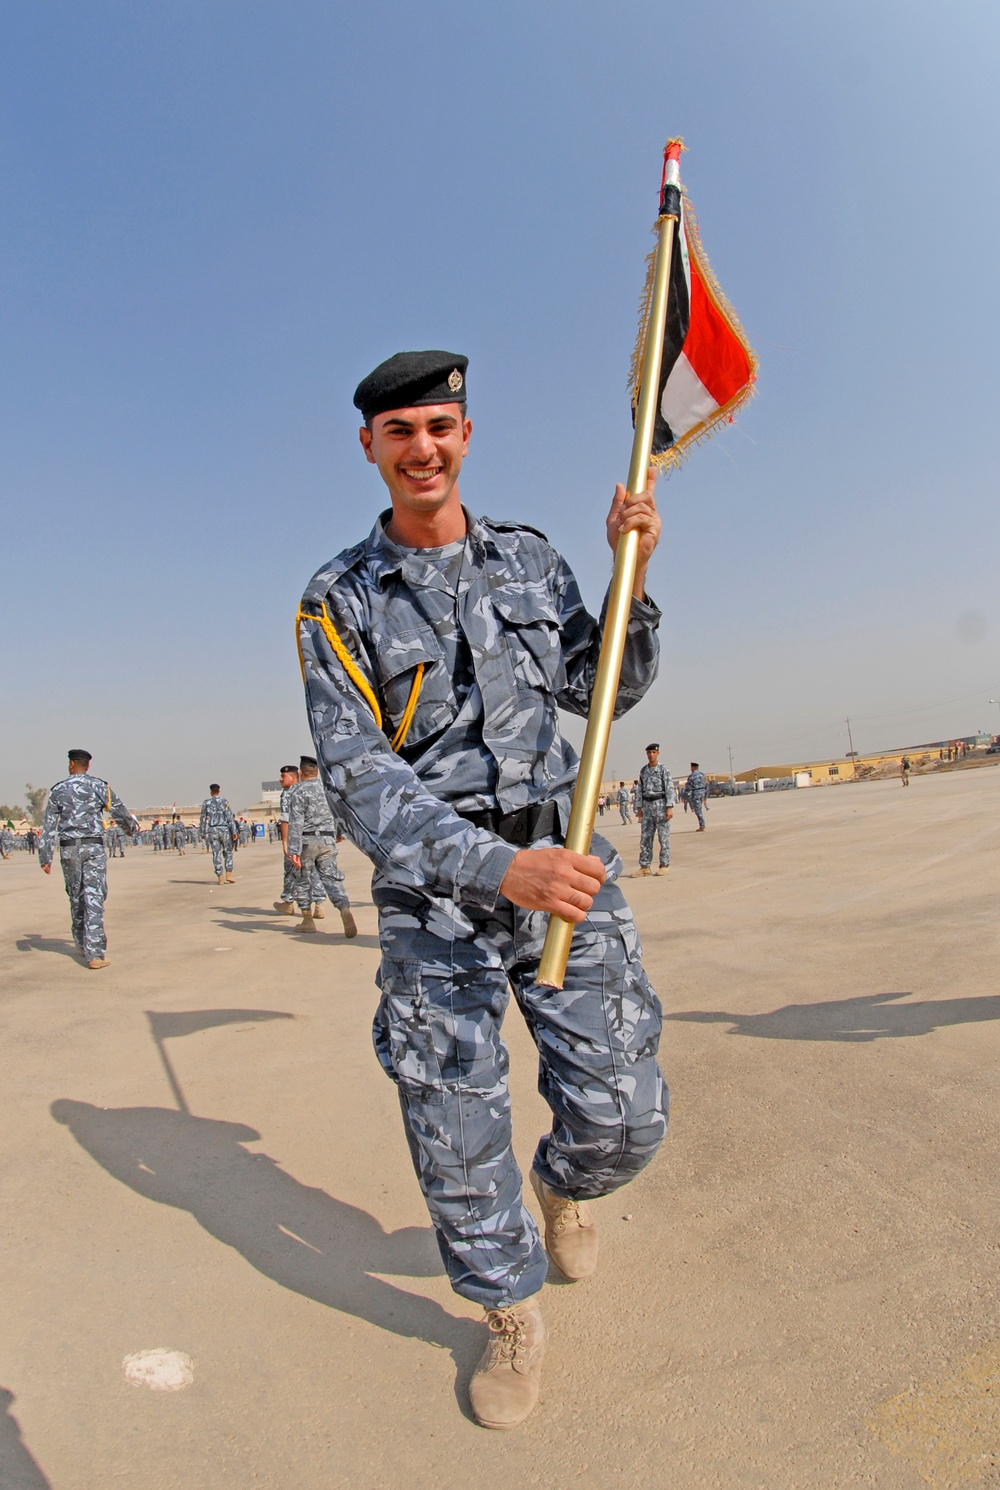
(483, 873)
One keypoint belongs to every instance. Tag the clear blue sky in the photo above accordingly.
(219, 215)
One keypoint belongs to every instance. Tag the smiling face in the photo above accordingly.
(419, 454)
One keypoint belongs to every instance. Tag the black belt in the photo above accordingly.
(523, 826)
(319, 832)
(80, 840)
(657, 797)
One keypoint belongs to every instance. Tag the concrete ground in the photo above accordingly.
(201, 1155)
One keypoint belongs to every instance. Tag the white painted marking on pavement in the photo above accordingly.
(160, 1370)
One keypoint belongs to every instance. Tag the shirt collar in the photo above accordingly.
(386, 558)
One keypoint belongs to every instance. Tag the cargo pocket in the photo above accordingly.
(402, 1031)
(534, 641)
(397, 665)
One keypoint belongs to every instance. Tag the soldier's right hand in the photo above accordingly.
(555, 880)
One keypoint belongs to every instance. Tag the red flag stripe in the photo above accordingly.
(715, 353)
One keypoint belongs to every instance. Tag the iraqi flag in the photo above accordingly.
(708, 368)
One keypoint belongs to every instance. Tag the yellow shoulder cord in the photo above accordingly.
(108, 785)
(411, 708)
(357, 677)
(344, 657)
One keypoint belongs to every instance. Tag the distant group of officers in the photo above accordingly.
(78, 809)
(76, 818)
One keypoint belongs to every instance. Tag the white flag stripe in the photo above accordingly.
(686, 402)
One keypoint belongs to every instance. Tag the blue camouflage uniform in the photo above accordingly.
(74, 815)
(695, 792)
(499, 628)
(292, 882)
(217, 826)
(622, 798)
(654, 794)
(312, 834)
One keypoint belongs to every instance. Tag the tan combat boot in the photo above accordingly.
(230, 880)
(663, 869)
(570, 1232)
(96, 962)
(505, 1386)
(307, 923)
(222, 879)
(638, 874)
(350, 925)
(318, 911)
(284, 907)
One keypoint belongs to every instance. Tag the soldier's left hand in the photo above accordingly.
(639, 515)
(46, 868)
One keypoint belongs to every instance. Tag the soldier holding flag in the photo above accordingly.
(436, 654)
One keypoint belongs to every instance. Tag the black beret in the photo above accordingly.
(306, 762)
(410, 379)
(652, 747)
(80, 755)
(293, 770)
(214, 786)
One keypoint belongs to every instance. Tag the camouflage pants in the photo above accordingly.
(319, 861)
(220, 844)
(654, 821)
(446, 976)
(290, 885)
(84, 868)
(698, 808)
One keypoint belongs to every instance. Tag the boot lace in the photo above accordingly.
(508, 1333)
(565, 1213)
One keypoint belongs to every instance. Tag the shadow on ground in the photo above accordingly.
(299, 1236)
(32, 942)
(870, 1017)
(285, 926)
(18, 1470)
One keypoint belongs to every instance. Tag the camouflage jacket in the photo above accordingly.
(655, 782)
(216, 816)
(76, 809)
(503, 650)
(696, 787)
(308, 812)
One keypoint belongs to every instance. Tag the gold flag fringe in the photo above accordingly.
(678, 452)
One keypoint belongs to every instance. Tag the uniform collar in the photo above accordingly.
(386, 558)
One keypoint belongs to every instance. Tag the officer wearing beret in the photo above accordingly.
(655, 800)
(74, 818)
(436, 655)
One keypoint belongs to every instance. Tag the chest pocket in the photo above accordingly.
(530, 628)
(399, 656)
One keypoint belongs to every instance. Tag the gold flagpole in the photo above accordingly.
(555, 953)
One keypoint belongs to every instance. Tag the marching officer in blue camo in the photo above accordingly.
(312, 846)
(622, 798)
(436, 654)
(74, 817)
(695, 792)
(655, 800)
(217, 829)
(292, 881)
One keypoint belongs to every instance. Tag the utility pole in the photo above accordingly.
(850, 741)
(730, 749)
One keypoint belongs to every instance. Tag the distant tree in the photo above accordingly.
(10, 814)
(35, 798)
